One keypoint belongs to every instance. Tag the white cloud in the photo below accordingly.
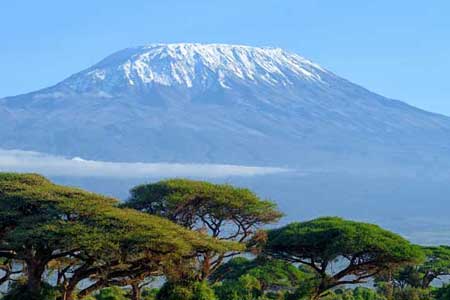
(50, 165)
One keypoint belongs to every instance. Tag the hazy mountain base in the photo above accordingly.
(415, 206)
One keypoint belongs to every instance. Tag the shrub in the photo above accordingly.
(186, 291)
(443, 293)
(21, 292)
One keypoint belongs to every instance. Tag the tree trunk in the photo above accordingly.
(35, 269)
(135, 291)
(427, 279)
(68, 292)
(206, 267)
(68, 296)
(315, 297)
(92, 288)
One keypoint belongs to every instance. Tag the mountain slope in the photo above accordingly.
(222, 104)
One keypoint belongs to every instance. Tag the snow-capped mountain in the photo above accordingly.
(193, 66)
(222, 104)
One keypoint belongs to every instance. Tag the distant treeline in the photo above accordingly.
(203, 241)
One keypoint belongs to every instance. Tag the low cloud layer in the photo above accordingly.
(49, 165)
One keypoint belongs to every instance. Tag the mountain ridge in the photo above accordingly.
(184, 64)
(222, 104)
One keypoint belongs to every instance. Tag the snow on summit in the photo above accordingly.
(194, 65)
(214, 103)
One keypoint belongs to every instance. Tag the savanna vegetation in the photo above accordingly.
(182, 239)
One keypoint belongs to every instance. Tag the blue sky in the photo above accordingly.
(400, 49)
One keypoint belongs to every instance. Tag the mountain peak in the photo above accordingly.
(190, 65)
(217, 103)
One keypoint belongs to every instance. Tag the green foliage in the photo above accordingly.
(149, 293)
(386, 289)
(409, 275)
(272, 274)
(359, 293)
(111, 293)
(42, 222)
(438, 259)
(188, 202)
(202, 291)
(47, 228)
(365, 249)
(410, 293)
(115, 226)
(223, 211)
(437, 264)
(329, 238)
(442, 293)
(245, 287)
(414, 281)
(40, 214)
(31, 207)
(174, 291)
(267, 278)
(305, 290)
(186, 291)
(21, 292)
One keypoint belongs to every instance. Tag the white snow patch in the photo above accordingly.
(190, 65)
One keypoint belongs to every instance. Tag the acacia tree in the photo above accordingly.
(149, 246)
(28, 212)
(436, 265)
(340, 251)
(84, 236)
(224, 212)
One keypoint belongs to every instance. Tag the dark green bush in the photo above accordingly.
(21, 292)
(186, 291)
(442, 293)
(410, 293)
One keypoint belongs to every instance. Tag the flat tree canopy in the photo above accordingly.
(41, 222)
(34, 210)
(197, 203)
(223, 211)
(340, 251)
